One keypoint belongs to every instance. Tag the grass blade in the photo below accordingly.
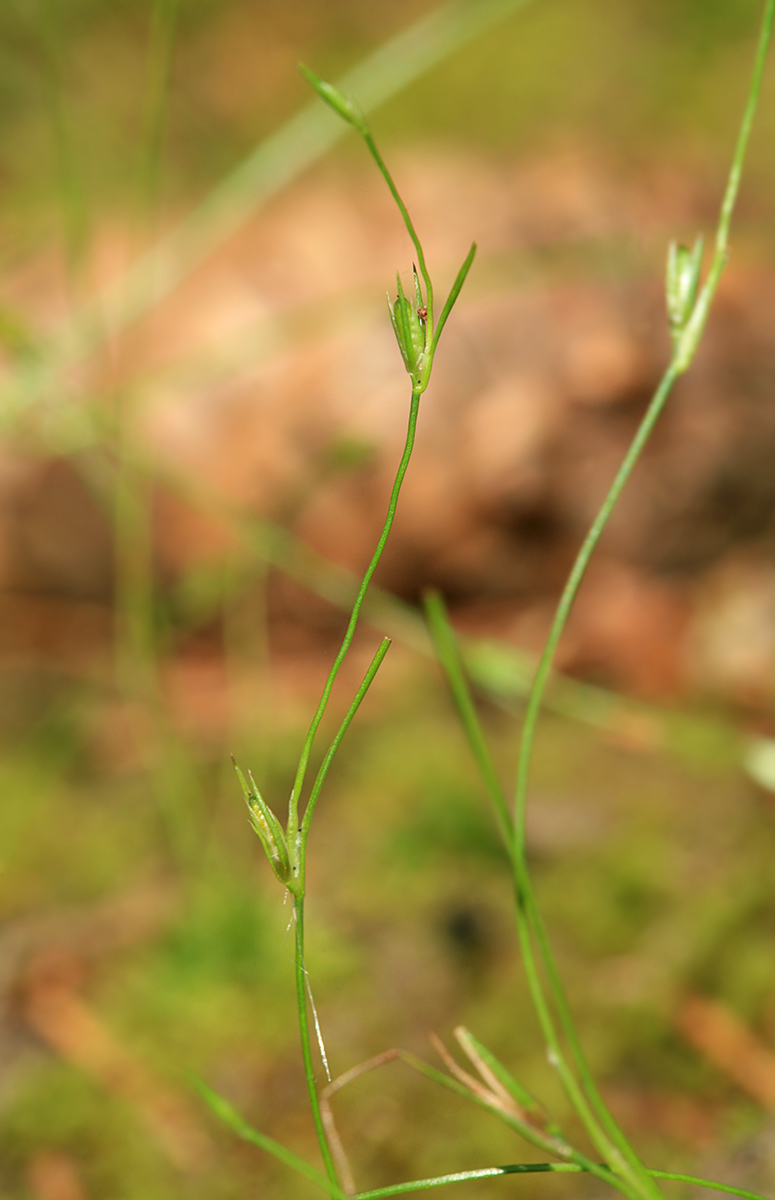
(239, 1126)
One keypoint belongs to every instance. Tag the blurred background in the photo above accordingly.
(202, 408)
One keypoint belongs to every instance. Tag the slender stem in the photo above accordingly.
(690, 339)
(529, 920)
(375, 154)
(418, 1185)
(530, 924)
(306, 1043)
(566, 602)
(746, 125)
(293, 808)
(239, 1126)
(599, 1122)
(446, 648)
(297, 837)
(368, 678)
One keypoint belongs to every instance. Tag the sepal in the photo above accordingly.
(267, 827)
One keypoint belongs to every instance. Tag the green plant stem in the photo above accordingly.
(293, 808)
(368, 679)
(596, 1116)
(447, 650)
(418, 1185)
(599, 1122)
(529, 922)
(566, 602)
(239, 1126)
(712, 1184)
(375, 154)
(297, 837)
(602, 1126)
(688, 343)
(306, 1043)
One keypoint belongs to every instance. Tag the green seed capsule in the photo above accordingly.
(410, 325)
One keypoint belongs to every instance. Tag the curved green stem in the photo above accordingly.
(688, 343)
(368, 679)
(603, 1126)
(566, 602)
(306, 1043)
(297, 837)
(375, 154)
(293, 808)
(599, 1122)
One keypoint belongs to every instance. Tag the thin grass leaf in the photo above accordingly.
(448, 652)
(515, 1089)
(714, 1186)
(539, 1168)
(368, 679)
(419, 1185)
(460, 279)
(533, 1136)
(239, 1126)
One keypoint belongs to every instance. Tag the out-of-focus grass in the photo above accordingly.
(636, 78)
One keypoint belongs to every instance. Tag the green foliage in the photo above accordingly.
(688, 305)
(209, 986)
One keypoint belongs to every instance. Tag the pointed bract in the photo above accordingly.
(410, 325)
(267, 827)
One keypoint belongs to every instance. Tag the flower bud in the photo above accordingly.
(682, 284)
(410, 325)
(341, 103)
